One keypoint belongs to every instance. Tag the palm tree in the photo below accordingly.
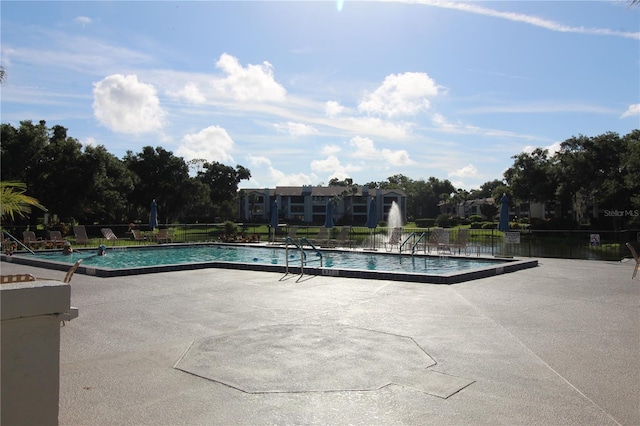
(14, 202)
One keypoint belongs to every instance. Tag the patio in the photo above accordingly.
(556, 344)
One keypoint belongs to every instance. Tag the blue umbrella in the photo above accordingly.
(328, 221)
(372, 221)
(273, 221)
(372, 218)
(153, 215)
(503, 225)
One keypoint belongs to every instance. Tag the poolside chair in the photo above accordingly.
(436, 239)
(81, 235)
(165, 236)
(16, 278)
(394, 239)
(108, 234)
(343, 237)
(461, 242)
(637, 259)
(293, 230)
(56, 240)
(73, 312)
(30, 240)
(322, 237)
(137, 235)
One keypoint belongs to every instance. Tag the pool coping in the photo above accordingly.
(503, 265)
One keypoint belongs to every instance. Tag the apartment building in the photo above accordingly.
(308, 204)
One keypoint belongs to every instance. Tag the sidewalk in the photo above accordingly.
(556, 344)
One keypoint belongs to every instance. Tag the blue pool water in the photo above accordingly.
(126, 258)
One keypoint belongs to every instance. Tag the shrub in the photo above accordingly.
(230, 228)
(475, 218)
(444, 221)
(489, 225)
(425, 223)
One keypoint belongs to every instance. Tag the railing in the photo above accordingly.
(303, 255)
(18, 242)
(568, 244)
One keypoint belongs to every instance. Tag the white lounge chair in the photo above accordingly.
(394, 239)
(81, 234)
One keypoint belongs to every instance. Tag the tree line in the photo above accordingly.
(90, 185)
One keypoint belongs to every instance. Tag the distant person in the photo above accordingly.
(66, 248)
(102, 250)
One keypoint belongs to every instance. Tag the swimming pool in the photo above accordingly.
(343, 263)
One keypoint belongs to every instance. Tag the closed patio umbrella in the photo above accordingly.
(328, 221)
(503, 224)
(372, 221)
(273, 219)
(153, 215)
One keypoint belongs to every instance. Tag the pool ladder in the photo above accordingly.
(303, 255)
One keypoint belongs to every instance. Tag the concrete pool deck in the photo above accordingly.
(555, 344)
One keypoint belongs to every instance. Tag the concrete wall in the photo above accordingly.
(30, 343)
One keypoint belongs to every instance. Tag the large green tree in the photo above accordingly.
(531, 178)
(158, 175)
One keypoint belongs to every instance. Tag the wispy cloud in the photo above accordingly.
(519, 17)
(632, 111)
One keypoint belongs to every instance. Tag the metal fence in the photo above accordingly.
(567, 244)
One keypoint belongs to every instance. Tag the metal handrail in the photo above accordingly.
(413, 248)
(286, 251)
(302, 241)
(413, 234)
(19, 242)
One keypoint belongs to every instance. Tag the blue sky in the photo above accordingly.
(302, 92)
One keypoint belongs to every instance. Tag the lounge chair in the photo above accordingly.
(30, 240)
(56, 240)
(165, 236)
(436, 239)
(322, 237)
(108, 234)
(293, 230)
(637, 259)
(394, 239)
(343, 237)
(73, 312)
(461, 242)
(137, 235)
(17, 278)
(81, 235)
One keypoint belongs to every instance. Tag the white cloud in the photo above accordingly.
(89, 142)
(400, 94)
(253, 83)
(467, 171)
(296, 129)
(333, 108)
(256, 160)
(632, 111)
(82, 20)
(364, 148)
(527, 19)
(553, 148)
(190, 93)
(123, 104)
(212, 144)
(378, 127)
(330, 149)
(282, 179)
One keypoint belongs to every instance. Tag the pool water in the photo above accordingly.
(126, 258)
